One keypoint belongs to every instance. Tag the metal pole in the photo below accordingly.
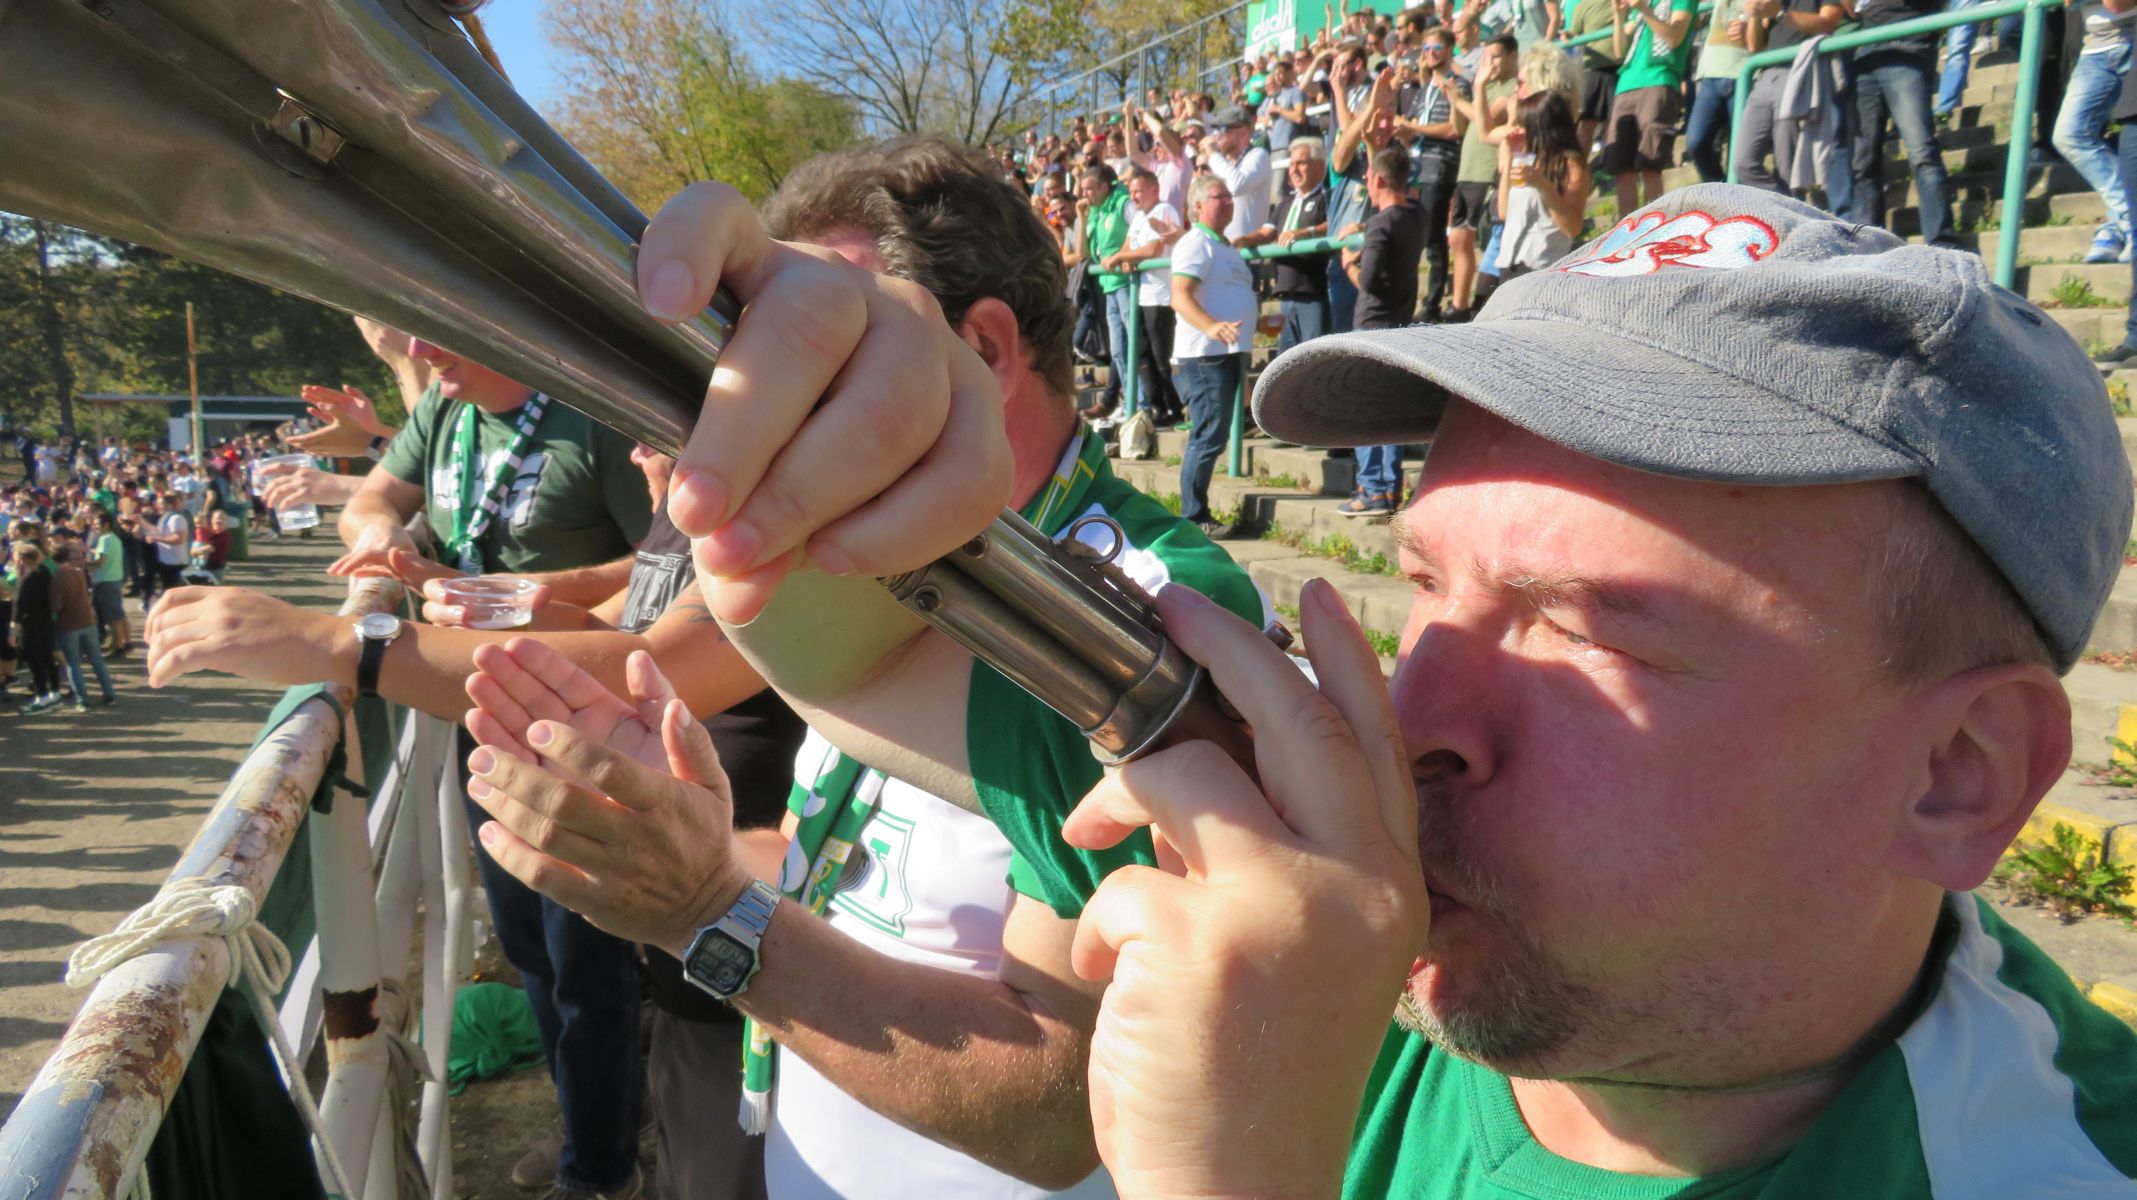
(2014, 166)
(1131, 383)
(193, 380)
(344, 899)
(1233, 452)
(1736, 118)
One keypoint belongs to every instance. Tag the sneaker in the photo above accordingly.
(537, 1168)
(1367, 506)
(40, 704)
(80, 707)
(2108, 244)
(2116, 357)
(629, 1189)
(1217, 531)
(111, 701)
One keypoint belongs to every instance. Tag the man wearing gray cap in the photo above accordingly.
(1732, 668)
(1244, 167)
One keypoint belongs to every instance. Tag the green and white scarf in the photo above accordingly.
(837, 805)
(468, 517)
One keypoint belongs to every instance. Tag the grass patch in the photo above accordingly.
(1171, 460)
(2073, 292)
(1282, 480)
(2118, 398)
(2066, 877)
(1337, 547)
(1384, 645)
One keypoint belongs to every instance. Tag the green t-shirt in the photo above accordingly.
(111, 552)
(2007, 1083)
(1480, 159)
(1590, 16)
(1648, 65)
(576, 499)
(1107, 231)
(1029, 764)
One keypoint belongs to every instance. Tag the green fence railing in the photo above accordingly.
(1132, 380)
(2023, 98)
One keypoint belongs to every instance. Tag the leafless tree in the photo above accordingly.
(908, 66)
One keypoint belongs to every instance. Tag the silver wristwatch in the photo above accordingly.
(723, 958)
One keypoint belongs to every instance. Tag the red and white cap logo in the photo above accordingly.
(1648, 242)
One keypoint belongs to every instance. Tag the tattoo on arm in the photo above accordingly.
(691, 604)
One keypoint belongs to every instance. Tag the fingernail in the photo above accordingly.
(456, 612)
(481, 761)
(539, 734)
(477, 789)
(704, 500)
(488, 833)
(830, 560)
(669, 292)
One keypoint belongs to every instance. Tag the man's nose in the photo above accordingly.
(1447, 701)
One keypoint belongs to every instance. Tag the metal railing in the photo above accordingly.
(86, 1122)
(1131, 381)
(1081, 94)
(2023, 99)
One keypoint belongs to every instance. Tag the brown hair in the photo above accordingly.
(943, 217)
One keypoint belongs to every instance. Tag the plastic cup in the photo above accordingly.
(296, 516)
(491, 601)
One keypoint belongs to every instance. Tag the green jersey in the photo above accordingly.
(576, 498)
(1105, 232)
(1029, 764)
(1649, 64)
(2007, 1083)
(111, 559)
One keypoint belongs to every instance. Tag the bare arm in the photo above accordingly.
(991, 1067)
(382, 500)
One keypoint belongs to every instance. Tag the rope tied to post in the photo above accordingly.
(196, 908)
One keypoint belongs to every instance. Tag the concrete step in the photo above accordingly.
(2098, 697)
(2094, 328)
(1381, 604)
(2108, 281)
(1981, 209)
(2042, 244)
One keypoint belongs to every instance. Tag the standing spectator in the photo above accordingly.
(1433, 131)
(1485, 108)
(1598, 62)
(1643, 116)
(2124, 353)
(74, 626)
(1105, 231)
(1213, 298)
(1895, 79)
(172, 540)
(33, 613)
(1284, 112)
(1714, 94)
(107, 563)
(7, 635)
(1543, 192)
(1165, 158)
(1777, 25)
(1385, 272)
(2080, 125)
(1302, 279)
(1244, 168)
(1152, 230)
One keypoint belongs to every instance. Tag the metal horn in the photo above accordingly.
(360, 153)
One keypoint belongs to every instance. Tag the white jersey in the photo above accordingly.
(933, 888)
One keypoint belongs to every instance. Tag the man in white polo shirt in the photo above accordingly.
(1213, 307)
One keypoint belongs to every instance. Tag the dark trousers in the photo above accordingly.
(1208, 385)
(1708, 127)
(1342, 298)
(1154, 389)
(1900, 84)
(1435, 194)
(694, 1072)
(1305, 318)
(37, 652)
(583, 985)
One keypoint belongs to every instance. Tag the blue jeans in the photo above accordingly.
(1342, 299)
(1708, 125)
(1896, 83)
(1379, 471)
(76, 645)
(1959, 54)
(583, 986)
(1304, 320)
(2128, 148)
(1208, 385)
(2080, 126)
(1116, 346)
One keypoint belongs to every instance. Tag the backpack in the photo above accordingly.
(1139, 436)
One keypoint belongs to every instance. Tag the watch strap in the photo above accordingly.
(370, 653)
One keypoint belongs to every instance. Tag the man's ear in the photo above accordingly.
(1999, 737)
(991, 330)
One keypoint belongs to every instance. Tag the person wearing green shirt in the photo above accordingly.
(107, 584)
(1653, 41)
(1105, 230)
(1598, 63)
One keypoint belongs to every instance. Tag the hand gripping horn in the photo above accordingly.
(361, 153)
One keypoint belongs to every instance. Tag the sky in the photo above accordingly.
(515, 29)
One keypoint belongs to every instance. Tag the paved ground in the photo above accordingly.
(95, 809)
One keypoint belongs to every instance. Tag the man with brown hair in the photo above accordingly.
(912, 965)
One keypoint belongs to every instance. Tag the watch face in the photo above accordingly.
(378, 625)
(719, 963)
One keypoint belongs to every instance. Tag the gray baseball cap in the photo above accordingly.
(1725, 333)
(1229, 116)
